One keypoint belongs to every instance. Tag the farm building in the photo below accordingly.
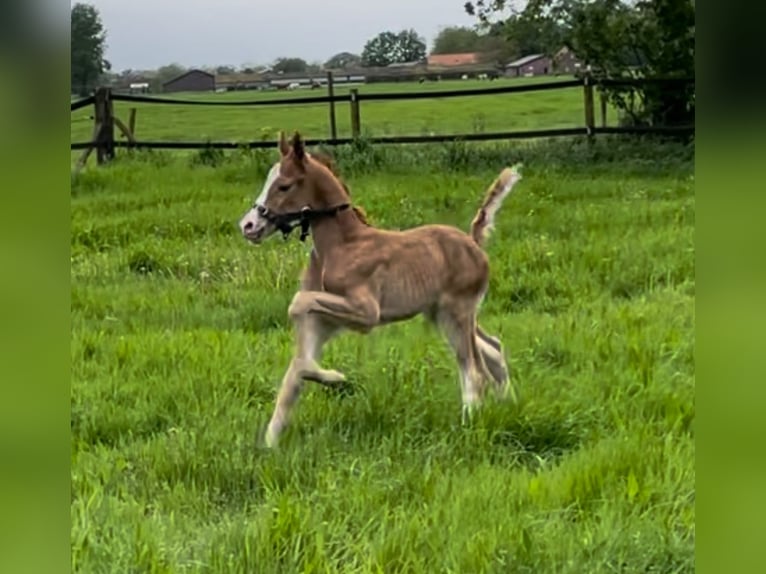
(565, 62)
(138, 87)
(347, 76)
(411, 64)
(191, 81)
(449, 60)
(241, 81)
(532, 65)
(315, 79)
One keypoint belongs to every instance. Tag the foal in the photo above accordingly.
(361, 277)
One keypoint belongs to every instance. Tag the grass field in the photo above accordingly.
(504, 112)
(180, 338)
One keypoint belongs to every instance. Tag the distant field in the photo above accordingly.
(505, 112)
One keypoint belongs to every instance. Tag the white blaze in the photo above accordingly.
(253, 224)
(270, 179)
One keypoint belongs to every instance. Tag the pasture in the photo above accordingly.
(180, 339)
(502, 112)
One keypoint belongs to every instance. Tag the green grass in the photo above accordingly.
(504, 112)
(180, 338)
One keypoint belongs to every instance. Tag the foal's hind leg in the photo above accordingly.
(494, 361)
(494, 358)
(459, 330)
(492, 352)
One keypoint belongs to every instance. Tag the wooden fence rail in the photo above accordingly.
(105, 121)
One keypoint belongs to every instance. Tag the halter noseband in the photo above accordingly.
(286, 222)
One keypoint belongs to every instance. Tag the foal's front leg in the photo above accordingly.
(359, 311)
(318, 316)
(312, 334)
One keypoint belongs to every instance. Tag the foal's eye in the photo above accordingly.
(284, 187)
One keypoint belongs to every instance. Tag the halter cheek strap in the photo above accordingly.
(286, 222)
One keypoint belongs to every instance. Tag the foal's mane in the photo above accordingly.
(329, 162)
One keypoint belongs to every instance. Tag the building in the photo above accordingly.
(458, 59)
(138, 87)
(350, 75)
(532, 65)
(411, 64)
(191, 81)
(565, 62)
(241, 81)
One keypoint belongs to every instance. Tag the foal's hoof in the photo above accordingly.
(332, 377)
(270, 434)
(509, 392)
(466, 416)
(269, 440)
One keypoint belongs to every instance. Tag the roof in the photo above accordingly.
(188, 73)
(524, 60)
(457, 59)
(410, 64)
(239, 78)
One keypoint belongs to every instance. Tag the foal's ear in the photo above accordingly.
(299, 152)
(284, 147)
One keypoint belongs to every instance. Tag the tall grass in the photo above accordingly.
(180, 338)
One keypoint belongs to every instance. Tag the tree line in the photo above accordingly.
(617, 39)
(614, 38)
(389, 47)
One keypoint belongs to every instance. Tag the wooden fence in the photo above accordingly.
(104, 142)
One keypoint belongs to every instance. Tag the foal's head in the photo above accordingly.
(298, 181)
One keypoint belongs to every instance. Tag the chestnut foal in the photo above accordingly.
(361, 277)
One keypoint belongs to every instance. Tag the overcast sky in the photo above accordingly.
(144, 34)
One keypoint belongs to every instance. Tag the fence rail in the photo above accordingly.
(103, 135)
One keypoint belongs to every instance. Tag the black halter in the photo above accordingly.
(286, 222)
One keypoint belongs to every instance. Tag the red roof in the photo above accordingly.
(453, 59)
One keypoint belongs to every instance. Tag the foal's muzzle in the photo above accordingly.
(256, 225)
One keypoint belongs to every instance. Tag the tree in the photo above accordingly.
(532, 35)
(88, 43)
(250, 68)
(343, 60)
(165, 74)
(314, 67)
(493, 43)
(394, 48)
(289, 66)
(497, 45)
(456, 39)
(620, 39)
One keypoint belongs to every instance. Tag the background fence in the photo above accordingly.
(105, 121)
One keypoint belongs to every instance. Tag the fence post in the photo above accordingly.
(602, 94)
(331, 94)
(104, 117)
(590, 119)
(355, 118)
(132, 121)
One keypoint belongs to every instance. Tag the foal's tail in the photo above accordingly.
(484, 221)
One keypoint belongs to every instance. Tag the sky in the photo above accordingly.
(146, 34)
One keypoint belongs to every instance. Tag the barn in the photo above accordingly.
(565, 62)
(532, 65)
(191, 81)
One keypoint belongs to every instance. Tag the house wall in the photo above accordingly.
(194, 81)
(566, 64)
(539, 67)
